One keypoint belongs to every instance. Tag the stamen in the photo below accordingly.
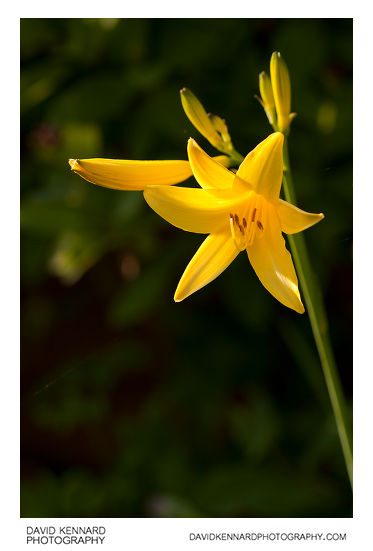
(253, 216)
(237, 231)
(246, 229)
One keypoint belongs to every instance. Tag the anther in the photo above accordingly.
(241, 229)
(236, 219)
(259, 224)
(253, 216)
(244, 222)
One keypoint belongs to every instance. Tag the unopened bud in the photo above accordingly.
(268, 101)
(197, 115)
(221, 127)
(281, 90)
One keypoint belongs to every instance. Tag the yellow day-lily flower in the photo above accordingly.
(134, 175)
(240, 211)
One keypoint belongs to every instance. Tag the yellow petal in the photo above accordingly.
(208, 172)
(214, 255)
(273, 264)
(197, 115)
(131, 175)
(294, 220)
(192, 209)
(262, 168)
(223, 160)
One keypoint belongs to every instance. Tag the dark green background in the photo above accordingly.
(133, 405)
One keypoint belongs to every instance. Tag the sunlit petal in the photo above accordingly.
(262, 167)
(208, 172)
(294, 220)
(131, 175)
(223, 160)
(273, 264)
(212, 258)
(192, 209)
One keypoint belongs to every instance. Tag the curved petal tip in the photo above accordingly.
(73, 163)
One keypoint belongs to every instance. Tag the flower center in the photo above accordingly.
(248, 224)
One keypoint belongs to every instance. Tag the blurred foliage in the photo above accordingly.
(133, 405)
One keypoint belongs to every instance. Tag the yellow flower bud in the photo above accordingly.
(281, 90)
(197, 115)
(221, 127)
(212, 127)
(268, 101)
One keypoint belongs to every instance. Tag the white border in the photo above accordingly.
(174, 533)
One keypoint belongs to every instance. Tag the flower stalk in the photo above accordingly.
(319, 324)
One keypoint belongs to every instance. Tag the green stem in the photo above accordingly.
(236, 158)
(319, 324)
